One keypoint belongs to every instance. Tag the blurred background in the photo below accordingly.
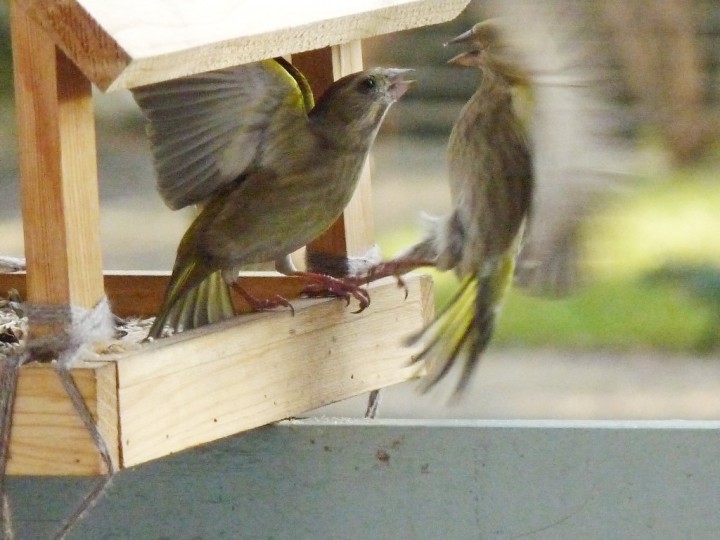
(617, 309)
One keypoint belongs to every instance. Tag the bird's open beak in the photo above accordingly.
(399, 85)
(466, 59)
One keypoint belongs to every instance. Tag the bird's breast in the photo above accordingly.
(273, 214)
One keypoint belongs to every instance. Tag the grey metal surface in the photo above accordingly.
(411, 479)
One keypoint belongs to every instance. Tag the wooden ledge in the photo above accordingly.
(140, 293)
(128, 43)
(209, 383)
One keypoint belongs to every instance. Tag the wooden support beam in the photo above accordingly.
(58, 170)
(218, 380)
(352, 233)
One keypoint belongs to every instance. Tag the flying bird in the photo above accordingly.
(491, 184)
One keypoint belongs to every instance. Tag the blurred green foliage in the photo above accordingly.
(653, 264)
(621, 314)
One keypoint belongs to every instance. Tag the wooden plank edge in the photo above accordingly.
(213, 382)
(96, 53)
(48, 437)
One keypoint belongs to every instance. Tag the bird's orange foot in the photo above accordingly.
(322, 285)
(263, 304)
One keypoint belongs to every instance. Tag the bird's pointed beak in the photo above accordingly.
(398, 84)
(465, 37)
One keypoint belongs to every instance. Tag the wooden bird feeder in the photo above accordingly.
(200, 385)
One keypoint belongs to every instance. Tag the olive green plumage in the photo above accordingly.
(270, 175)
(491, 183)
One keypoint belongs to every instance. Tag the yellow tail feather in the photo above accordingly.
(464, 327)
(187, 306)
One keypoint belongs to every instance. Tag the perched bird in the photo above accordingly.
(491, 184)
(270, 171)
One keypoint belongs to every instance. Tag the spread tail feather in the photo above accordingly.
(193, 306)
(464, 327)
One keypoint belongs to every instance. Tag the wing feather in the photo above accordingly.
(207, 130)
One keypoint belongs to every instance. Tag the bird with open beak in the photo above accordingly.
(270, 171)
(491, 184)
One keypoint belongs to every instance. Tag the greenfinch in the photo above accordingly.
(491, 184)
(269, 170)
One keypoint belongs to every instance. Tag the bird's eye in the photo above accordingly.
(368, 83)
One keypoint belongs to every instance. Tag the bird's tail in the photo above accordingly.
(208, 302)
(462, 330)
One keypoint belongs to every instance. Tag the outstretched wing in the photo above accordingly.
(579, 159)
(207, 130)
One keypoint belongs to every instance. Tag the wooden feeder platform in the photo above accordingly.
(204, 384)
(209, 383)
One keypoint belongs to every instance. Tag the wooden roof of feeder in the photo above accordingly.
(128, 43)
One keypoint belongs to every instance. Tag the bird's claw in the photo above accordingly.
(347, 288)
(275, 301)
(264, 304)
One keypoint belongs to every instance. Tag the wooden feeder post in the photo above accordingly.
(215, 381)
(58, 170)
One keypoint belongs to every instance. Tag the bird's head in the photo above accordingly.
(483, 36)
(489, 50)
(360, 100)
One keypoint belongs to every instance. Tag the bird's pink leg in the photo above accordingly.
(395, 268)
(319, 284)
(263, 304)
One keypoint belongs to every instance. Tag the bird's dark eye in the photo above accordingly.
(368, 83)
